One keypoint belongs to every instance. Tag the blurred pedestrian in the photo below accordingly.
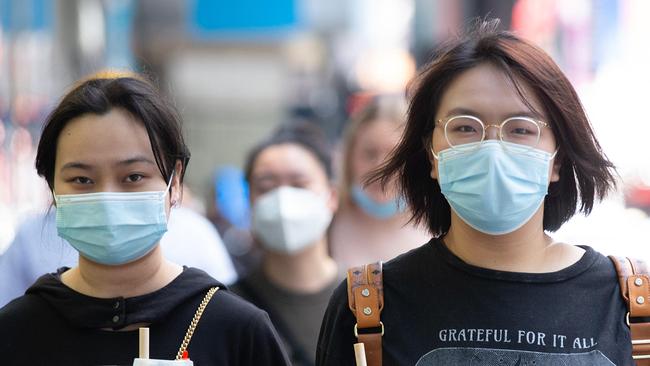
(293, 200)
(228, 209)
(372, 223)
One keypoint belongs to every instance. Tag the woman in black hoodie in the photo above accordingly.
(113, 155)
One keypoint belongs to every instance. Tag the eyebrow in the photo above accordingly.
(271, 177)
(461, 110)
(84, 166)
(134, 160)
(76, 165)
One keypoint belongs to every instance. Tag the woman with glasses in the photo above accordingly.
(113, 155)
(497, 152)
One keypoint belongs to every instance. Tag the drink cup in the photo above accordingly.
(154, 362)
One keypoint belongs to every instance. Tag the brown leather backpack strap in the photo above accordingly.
(366, 300)
(634, 281)
(623, 270)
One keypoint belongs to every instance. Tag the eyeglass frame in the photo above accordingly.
(539, 123)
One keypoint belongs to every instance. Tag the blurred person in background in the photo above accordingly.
(371, 224)
(497, 151)
(228, 209)
(293, 199)
(114, 157)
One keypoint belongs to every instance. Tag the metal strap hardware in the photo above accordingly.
(356, 330)
(366, 300)
(195, 322)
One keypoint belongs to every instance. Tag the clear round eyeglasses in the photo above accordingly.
(466, 129)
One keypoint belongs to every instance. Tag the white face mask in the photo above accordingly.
(289, 219)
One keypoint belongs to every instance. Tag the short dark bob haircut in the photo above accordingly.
(98, 95)
(302, 133)
(585, 172)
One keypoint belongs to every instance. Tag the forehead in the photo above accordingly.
(489, 92)
(286, 159)
(103, 138)
(379, 130)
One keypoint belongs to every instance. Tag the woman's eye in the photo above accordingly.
(466, 129)
(82, 180)
(263, 188)
(134, 178)
(521, 131)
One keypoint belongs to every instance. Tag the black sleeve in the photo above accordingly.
(263, 344)
(336, 340)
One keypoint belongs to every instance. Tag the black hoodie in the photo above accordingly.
(55, 325)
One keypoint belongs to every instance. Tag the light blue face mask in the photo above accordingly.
(495, 187)
(378, 210)
(112, 228)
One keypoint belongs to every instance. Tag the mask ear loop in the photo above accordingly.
(168, 189)
(434, 153)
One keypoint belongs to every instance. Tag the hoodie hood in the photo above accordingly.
(91, 312)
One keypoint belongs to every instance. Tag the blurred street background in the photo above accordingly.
(238, 68)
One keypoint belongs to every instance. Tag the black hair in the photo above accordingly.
(98, 95)
(305, 134)
(585, 172)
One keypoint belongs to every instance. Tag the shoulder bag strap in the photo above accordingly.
(366, 300)
(634, 282)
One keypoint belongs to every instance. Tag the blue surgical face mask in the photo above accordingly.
(378, 210)
(495, 187)
(112, 228)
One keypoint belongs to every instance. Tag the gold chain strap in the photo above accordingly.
(195, 322)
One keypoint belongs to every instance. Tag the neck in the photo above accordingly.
(143, 276)
(307, 271)
(524, 250)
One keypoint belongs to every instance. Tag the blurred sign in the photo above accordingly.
(19, 15)
(210, 18)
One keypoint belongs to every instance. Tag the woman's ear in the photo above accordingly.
(434, 171)
(434, 164)
(428, 147)
(333, 199)
(176, 188)
(555, 170)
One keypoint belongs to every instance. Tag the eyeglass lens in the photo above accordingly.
(464, 130)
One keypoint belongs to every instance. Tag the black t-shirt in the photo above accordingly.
(439, 310)
(54, 325)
